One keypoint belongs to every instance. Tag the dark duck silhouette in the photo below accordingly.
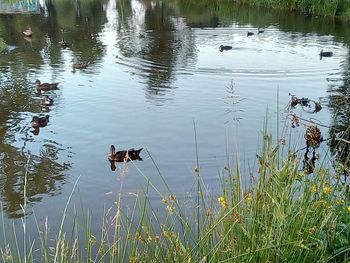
(325, 54)
(250, 33)
(63, 43)
(222, 48)
(46, 101)
(40, 121)
(260, 31)
(45, 86)
(125, 155)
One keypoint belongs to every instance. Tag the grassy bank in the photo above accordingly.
(285, 215)
(340, 8)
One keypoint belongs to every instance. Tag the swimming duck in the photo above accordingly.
(46, 101)
(45, 86)
(249, 33)
(40, 121)
(325, 54)
(125, 155)
(63, 43)
(80, 65)
(28, 32)
(260, 30)
(222, 48)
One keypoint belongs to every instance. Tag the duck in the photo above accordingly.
(80, 65)
(124, 155)
(45, 86)
(222, 48)
(46, 101)
(63, 43)
(260, 30)
(250, 33)
(40, 121)
(28, 32)
(325, 54)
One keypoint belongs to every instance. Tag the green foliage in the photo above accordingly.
(316, 7)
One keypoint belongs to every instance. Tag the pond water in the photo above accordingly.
(155, 76)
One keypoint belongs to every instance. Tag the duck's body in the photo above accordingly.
(260, 31)
(46, 101)
(125, 155)
(222, 48)
(80, 65)
(40, 121)
(45, 86)
(28, 32)
(325, 54)
(250, 33)
(63, 43)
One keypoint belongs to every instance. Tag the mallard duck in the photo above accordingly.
(40, 121)
(325, 54)
(125, 155)
(80, 65)
(28, 32)
(249, 33)
(46, 101)
(222, 48)
(260, 30)
(63, 43)
(45, 86)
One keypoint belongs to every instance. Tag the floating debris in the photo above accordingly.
(313, 137)
(305, 102)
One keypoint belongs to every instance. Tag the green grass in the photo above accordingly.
(314, 7)
(285, 215)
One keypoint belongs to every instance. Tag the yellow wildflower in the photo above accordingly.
(170, 209)
(314, 188)
(348, 209)
(167, 234)
(164, 200)
(301, 174)
(340, 202)
(172, 197)
(133, 260)
(222, 202)
(248, 197)
(327, 190)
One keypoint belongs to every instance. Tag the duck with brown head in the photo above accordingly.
(40, 121)
(45, 86)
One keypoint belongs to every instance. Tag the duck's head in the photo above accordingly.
(35, 121)
(37, 82)
(112, 150)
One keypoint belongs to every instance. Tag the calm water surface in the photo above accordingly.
(155, 70)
